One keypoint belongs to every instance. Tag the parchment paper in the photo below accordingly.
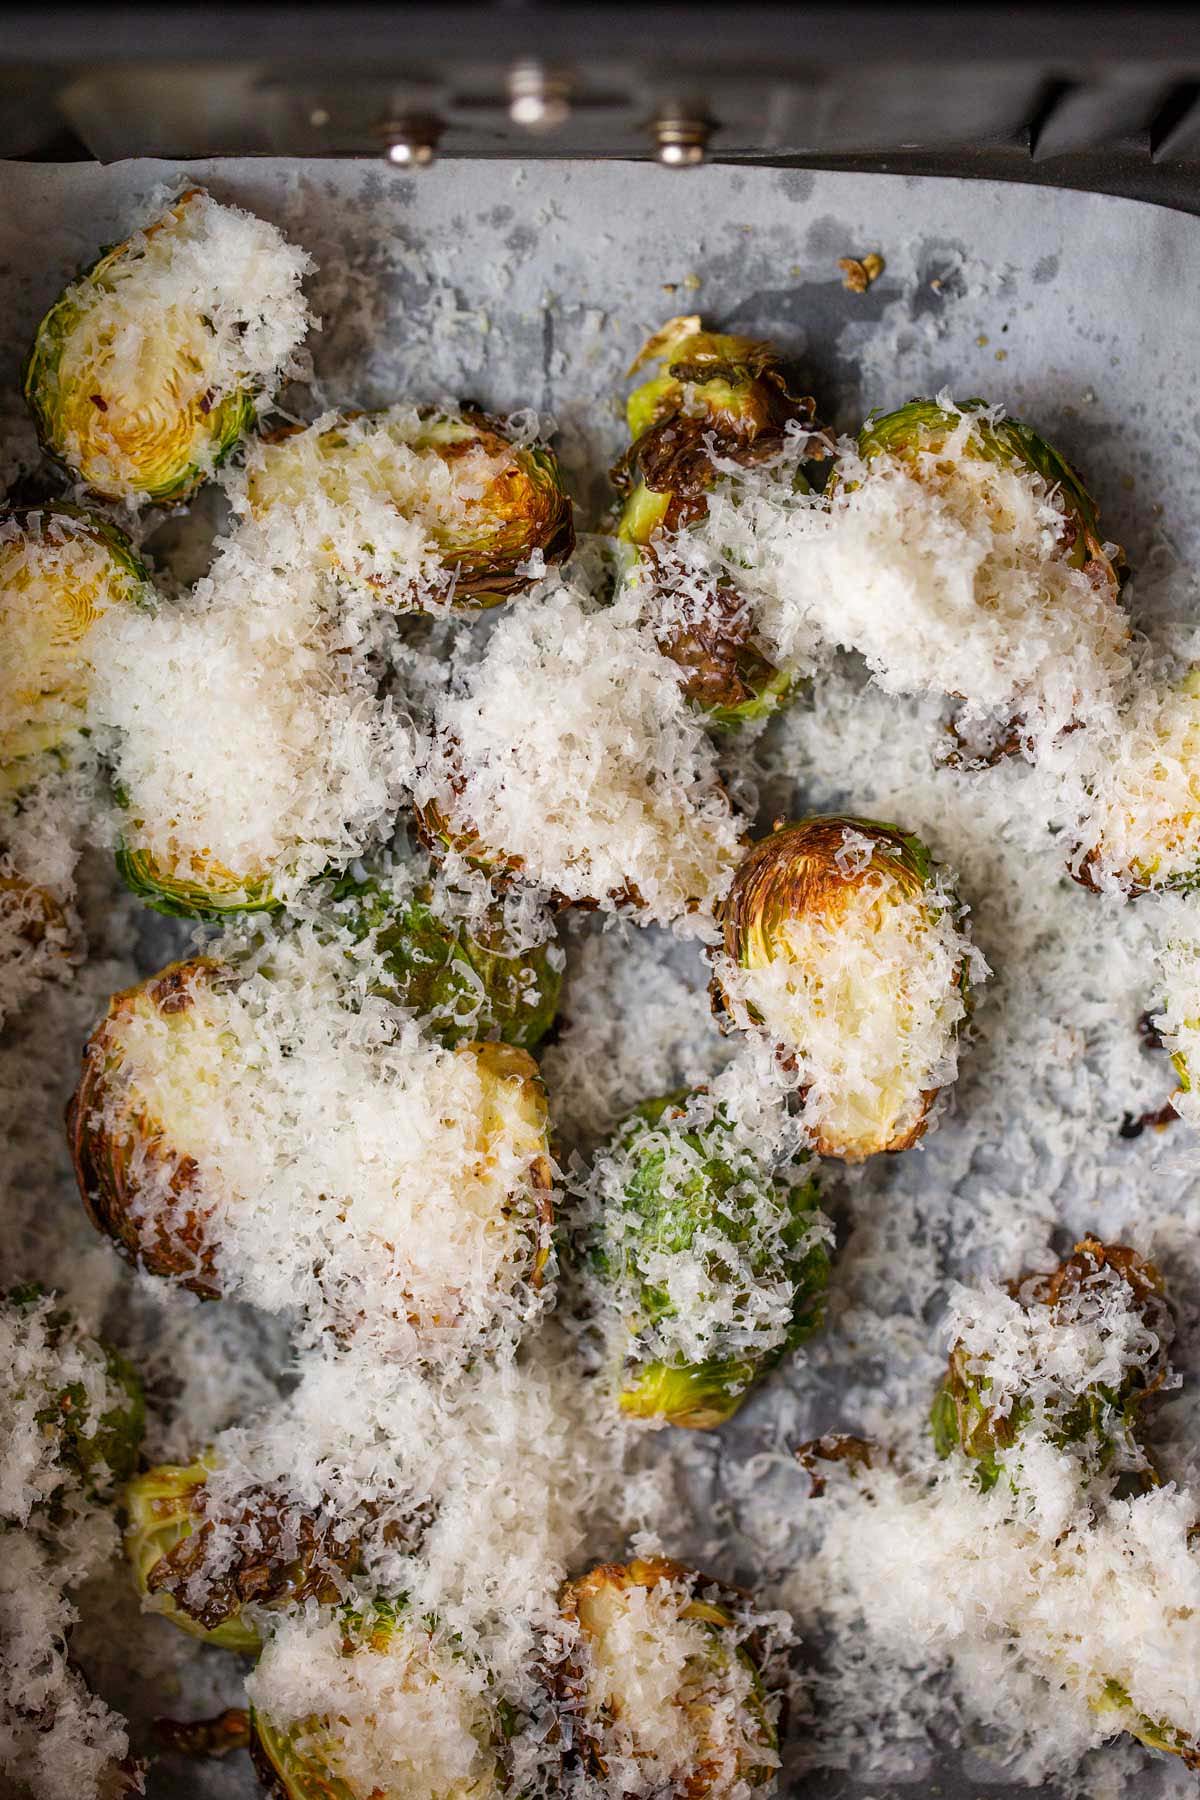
(526, 284)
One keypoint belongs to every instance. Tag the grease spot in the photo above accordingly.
(797, 184)
(1045, 269)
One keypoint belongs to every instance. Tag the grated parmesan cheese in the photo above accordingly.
(248, 737)
(572, 756)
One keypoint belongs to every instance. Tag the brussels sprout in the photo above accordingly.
(123, 381)
(137, 1128)
(840, 943)
(192, 885)
(715, 397)
(922, 427)
(1098, 1425)
(723, 673)
(1148, 837)
(279, 1561)
(694, 1206)
(135, 1168)
(61, 568)
(342, 1753)
(94, 1452)
(463, 981)
(716, 393)
(713, 1737)
(1156, 1734)
(487, 504)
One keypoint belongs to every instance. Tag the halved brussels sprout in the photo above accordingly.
(695, 1206)
(463, 982)
(279, 1560)
(94, 1451)
(922, 427)
(843, 946)
(714, 392)
(710, 1736)
(716, 396)
(129, 380)
(61, 568)
(1098, 1425)
(135, 1147)
(139, 1121)
(342, 1748)
(1156, 1734)
(1147, 827)
(486, 504)
(193, 885)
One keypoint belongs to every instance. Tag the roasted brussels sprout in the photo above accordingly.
(133, 1144)
(140, 1120)
(715, 1268)
(714, 393)
(1156, 1734)
(709, 1734)
(919, 429)
(716, 399)
(192, 884)
(463, 980)
(72, 1374)
(1145, 826)
(841, 942)
(1097, 1422)
(183, 1562)
(343, 1748)
(60, 569)
(143, 374)
(487, 506)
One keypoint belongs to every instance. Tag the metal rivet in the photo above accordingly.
(318, 117)
(682, 142)
(538, 98)
(411, 142)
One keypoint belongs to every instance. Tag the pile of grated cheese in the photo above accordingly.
(945, 572)
(247, 733)
(373, 504)
(57, 1740)
(572, 754)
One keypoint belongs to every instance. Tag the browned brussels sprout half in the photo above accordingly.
(711, 1736)
(340, 1747)
(277, 1559)
(192, 884)
(683, 1194)
(488, 505)
(135, 1146)
(90, 1401)
(922, 427)
(126, 381)
(61, 568)
(716, 396)
(840, 943)
(1099, 1424)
